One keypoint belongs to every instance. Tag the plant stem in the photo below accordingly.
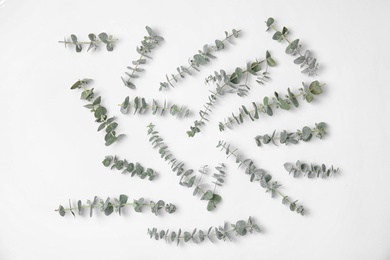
(218, 92)
(191, 66)
(237, 158)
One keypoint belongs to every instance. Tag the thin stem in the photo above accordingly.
(89, 206)
(136, 66)
(276, 190)
(191, 66)
(218, 92)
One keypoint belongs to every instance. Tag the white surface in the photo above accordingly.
(50, 150)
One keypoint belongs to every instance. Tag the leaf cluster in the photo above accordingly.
(270, 103)
(93, 43)
(306, 61)
(293, 137)
(99, 112)
(147, 45)
(188, 178)
(201, 58)
(109, 206)
(223, 233)
(140, 106)
(135, 169)
(311, 171)
(259, 175)
(230, 84)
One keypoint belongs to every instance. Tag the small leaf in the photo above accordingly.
(103, 37)
(292, 47)
(61, 210)
(208, 195)
(270, 21)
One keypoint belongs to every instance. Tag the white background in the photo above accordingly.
(50, 150)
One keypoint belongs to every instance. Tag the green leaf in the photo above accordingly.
(110, 46)
(107, 161)
(200, 59)
(103, 37)
(309, 97)
(150, 31)
(210, 205)
(61, 210)
(187, 236)
(122, 199)
(100, 111)
(306, 134)
(208, 195)
(92, 37)
(315, 88)
(109, 209)
(241, 227)
(292, 98)
(270, 21)
(291, 48)
(277, 36)
(283, 104)
(271, 62)
(74, 38)
(219, 44)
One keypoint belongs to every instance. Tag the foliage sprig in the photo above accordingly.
(99, 112)
(109, 206)
(202, 58)
(266, 107)
(188, 177)
(135, 169)
(230, 84)
(223, 233)
(308, 63)
(293, 137)
(260, 175)
(93, 43)
(140, 106)
(311, 171)
(147, 45)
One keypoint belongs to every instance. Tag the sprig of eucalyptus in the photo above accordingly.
(230, 84)
(147, 45)
(135, 169)
(141, 106)
(293, 137)
(290, 100)
(108, 206)
(225, 232)
(99, 111)
(202, 58)
(308, 63)
(93, 43)
(260, 175)
(311, 171)
(188, 177)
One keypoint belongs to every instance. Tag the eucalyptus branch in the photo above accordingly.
(230, 84)
(188, 178)
(307, 62)
(135, 169)
(311, 171)
(108, 206)
(260, 175)
(99, 111)
(241, 228)
(139, 104)
(307, 93)
(147, 45)
(293, 137)
(202, 58)
(93, 43)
